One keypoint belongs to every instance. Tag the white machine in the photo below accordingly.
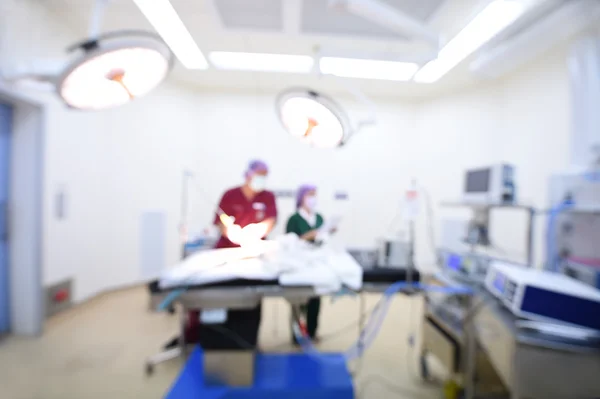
(490, 185)
(545, 296)
(469, 267)
(393, 252)
(576, 231)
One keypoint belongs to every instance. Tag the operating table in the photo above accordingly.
(246, 294)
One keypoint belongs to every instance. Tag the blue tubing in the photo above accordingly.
(173, 295)
(369, 333)
(552, 258)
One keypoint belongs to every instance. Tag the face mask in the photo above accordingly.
(310, 202)
(258, 183)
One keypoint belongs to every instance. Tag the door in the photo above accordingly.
(5, 133)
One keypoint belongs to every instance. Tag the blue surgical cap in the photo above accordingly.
(305, 188)
(256, 166)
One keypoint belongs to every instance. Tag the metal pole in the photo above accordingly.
(183, 322)
(184, 211)
(411, 253)
(471, 351)
(411, 233)
(530, 232)
(361, 323)
(361, 315)
(97, 17)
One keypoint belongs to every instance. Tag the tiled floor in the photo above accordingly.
(97, 350)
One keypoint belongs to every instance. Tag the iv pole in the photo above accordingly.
(183, 223)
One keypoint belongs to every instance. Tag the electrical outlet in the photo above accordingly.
(284, 193)
(341, 196)
(59, 297)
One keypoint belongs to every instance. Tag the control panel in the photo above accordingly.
(577, 230)
(469, 266)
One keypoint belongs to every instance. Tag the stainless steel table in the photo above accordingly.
(527, 363)
(533, 365)
(448, 335)
(238, 297)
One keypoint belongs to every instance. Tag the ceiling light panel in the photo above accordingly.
(497, 16)
(266, 15)
(421, 10)
(261, 62)
(368, 69)
(165, 20)
(319, 18)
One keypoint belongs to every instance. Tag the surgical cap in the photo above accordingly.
(256, 166)
(302, 192)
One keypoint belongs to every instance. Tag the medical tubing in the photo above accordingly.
(377, 317)
(381, 308)
(377, 311)
(371, 330)
(369, 333)
(430, 217)
(204, 196)
(551, 256)
(170, 298)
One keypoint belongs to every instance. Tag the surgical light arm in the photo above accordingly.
(371, 118)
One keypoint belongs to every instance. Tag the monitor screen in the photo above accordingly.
(478, 181)
(500, 283)
(454, 262)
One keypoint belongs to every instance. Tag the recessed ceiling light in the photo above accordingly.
(492, 20)
(261, 62)
(368, 69)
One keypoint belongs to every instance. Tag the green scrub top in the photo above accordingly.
(298, 225)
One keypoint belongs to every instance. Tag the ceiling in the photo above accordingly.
(290, 27)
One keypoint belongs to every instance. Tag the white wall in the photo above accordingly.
(524, 120)
(117, 164)
(131, 159)
(537, 135)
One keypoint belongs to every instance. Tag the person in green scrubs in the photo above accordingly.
(306, 224)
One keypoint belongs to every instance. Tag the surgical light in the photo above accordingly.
(492, 20)
(313, 118)
(114, 70)
(163, 17)
(261, 62)
(105, 70)
(368, 69)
